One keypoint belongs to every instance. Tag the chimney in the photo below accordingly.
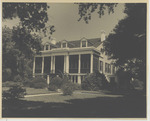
(102, 35)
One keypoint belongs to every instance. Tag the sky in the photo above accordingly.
(64, 16)
(65, 19)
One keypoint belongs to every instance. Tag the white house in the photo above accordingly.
(75, 58)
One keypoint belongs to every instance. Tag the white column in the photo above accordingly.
(79, 64)
(34, 67)
(91, 69)
(51, 64)
(67, 63)
(48, 81)
(79, 69)
(42, 65)
(64, 63)
(54, 64)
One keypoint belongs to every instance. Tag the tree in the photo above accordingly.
(20, 42)
(17, 54)
(127, 43)
(128, 40)
(33, 16)
(86, 9)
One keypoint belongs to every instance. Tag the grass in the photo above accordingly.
(64, 99)
(80, 104)
(33, 91)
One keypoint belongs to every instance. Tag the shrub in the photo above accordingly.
(10, 83)
(77, 86)
(28, 82)
(37, 82)
(39, 85)
(124, 78)
(95, 81)
(18, 78)
(55, 83)
(52, 87)
(68, 88)
(7, 73)
(15, 92)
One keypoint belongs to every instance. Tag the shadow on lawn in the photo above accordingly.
(102, 107)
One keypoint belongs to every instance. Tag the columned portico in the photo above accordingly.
(72, 62)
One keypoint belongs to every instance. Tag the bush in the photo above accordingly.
(52, 87)
(77, 86)
(95, 81)
(37, 82)
(7, 73)
(55, 83)
(10, 83)
(18, 78)
(124, 78)
(14, 93)
(39, 85)
(68, 88)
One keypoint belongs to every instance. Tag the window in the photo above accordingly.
(113, 69)
(46, 48)
(64, 45)
(101, 66)
(83, 43)
(107, 68)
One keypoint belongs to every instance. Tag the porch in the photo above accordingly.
(75, 66)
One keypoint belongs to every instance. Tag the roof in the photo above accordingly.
(91, 42)
(95, 42)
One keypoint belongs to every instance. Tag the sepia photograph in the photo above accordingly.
(74, 60)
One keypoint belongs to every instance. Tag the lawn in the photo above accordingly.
(60, 98)
(32, 91)
(81, 104)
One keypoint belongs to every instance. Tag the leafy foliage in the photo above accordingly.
(86, 9)
(124, 78)
(32, 15)
(18, 78)
(55, 83)
(68, 87)
(14, 93)
(95, 81)
(127, 42)
(18, 45)
(38, 82)
(128, 39)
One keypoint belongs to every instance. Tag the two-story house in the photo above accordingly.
(75, 58)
